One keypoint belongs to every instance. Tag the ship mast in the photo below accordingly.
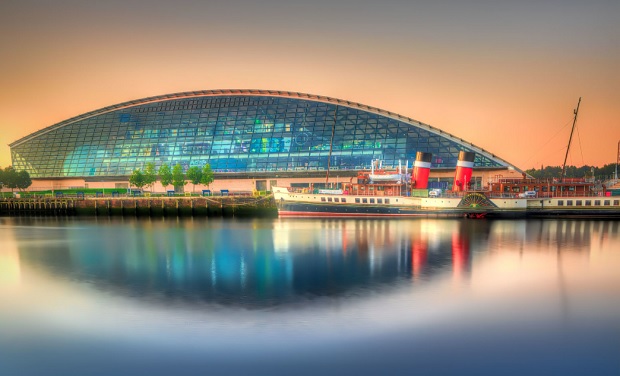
(331, 144)
(569, 141)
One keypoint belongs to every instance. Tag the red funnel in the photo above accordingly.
(421, 170)
(464, 168)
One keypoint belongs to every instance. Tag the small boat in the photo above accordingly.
(378, 174)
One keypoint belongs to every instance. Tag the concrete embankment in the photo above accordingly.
(238, 206)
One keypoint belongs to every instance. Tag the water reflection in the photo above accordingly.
(10, 270)
(264, 262)
(281, 297)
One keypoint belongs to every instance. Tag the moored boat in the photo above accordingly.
(575, 199)
(382, 193)
(368, 197)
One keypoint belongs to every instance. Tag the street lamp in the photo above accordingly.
(617, 160)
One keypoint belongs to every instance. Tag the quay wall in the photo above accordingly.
(245, 206)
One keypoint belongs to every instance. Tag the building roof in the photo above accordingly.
(262, 93)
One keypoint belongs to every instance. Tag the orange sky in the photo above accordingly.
(504, 75)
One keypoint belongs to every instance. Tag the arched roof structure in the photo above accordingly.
(235, 131)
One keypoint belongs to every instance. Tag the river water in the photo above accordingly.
(309, 297)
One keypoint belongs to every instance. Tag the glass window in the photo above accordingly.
(272, 128)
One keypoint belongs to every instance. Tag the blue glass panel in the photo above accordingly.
(232, 133)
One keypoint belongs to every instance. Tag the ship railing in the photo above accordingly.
(452, 194)
(557, 194)
(540, 181)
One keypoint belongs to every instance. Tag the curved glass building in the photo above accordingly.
(235, 131)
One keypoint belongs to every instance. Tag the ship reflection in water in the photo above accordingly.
(309, 296)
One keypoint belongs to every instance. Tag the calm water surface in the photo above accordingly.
(309, 297)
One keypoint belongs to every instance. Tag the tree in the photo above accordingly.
(207, 175)
(150, 175)
(23, 180)
(178, 177)
(550, 172)
(137, 178)
(194, 174)
(10, 178)
(2, 183)
(165, 175)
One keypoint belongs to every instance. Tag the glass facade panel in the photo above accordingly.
(233, 133)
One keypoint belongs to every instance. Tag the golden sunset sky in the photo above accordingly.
(504, 75)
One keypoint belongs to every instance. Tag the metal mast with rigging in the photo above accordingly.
(569, 141)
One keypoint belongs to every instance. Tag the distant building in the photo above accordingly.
(248, 137)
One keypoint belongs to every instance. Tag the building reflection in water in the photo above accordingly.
(10, 268)
(264, 262)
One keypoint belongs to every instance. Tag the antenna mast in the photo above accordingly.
(569, 141)
(331, 144)
(617, 161)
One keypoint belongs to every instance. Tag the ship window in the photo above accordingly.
(606, 202)
(364, 201)
(357, 200)
(560, 202)
(616, 202)
(336, 199)
(588, 202)
(387, 200)
(380, 201)
(343, 199)
(578, 202)
(569, 202)
(322, 198)
(597, 202)
(372, 200)
(329, 199)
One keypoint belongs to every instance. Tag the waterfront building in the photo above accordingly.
(252, 139)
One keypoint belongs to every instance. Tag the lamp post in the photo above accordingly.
(617, 160)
